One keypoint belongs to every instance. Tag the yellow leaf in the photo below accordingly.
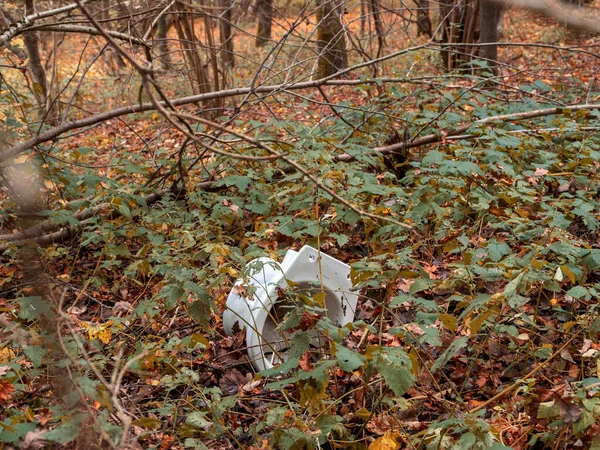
(449, 321)
(414, 359)
(569, 273)
(17, 42)
(49, 184)
(6, 354)
(102, 332)
(358, 276)
(21, 159)
(319, 298)
(29, 415)
(386, 442)
(383, 210)
(476, 323)
(364, 413)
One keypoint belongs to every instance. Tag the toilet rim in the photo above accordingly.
(258, 347)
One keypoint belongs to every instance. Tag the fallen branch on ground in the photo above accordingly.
(44, 232)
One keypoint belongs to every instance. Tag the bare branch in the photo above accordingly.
(579, 17)
(65, 28)
(25, 23)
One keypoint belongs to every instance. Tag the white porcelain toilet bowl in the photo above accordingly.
(258, 304)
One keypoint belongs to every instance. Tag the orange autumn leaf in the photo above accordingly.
(6, 390)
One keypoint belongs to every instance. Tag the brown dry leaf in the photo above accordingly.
(564, 354)
(231, 381)
(122, 307)
(569, 410)
(33, 440)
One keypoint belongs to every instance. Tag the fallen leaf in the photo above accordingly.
(386, 442)
(6, 390)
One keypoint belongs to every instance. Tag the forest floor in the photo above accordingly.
(492, 298)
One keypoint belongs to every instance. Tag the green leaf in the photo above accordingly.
(195, 444)
(341, 239)
(35, 354)
(578, 292)
(586, 420)
(239, 181)
(395, 367)
(419, 285)
(276, 415)
(548, 410)
(499, 446)
(511, 288)
(172, 293)
(300, 344)
(449, 353)
(293, 439)
(497, 250)
(592, 260)
(67, 431)
(347, 359)
(197, 419)
(13, 432)
(32, 307)
(148, 422)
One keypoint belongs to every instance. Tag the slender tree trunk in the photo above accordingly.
(265, 20)
(489, 19)
(115, 62)
(331, 39)
(363, 17)
(196, 69)
(162, 44)
(460, 21)
(377, 20)
(423, 20)
(48, 111)
(227, 55)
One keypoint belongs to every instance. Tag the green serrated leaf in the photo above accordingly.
(172, 293)
(32, 307)
(578, 292)
(197, 419)
(347, 359)
(67, 431)
(35, 354)
(449, 353)
(276, 415)
(300, 344)
(395, 368)
(497, 250)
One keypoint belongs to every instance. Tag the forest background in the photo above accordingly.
(448, 152)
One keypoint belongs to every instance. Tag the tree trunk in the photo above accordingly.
(489, 19)
(363, 18)
(47, 107)
(423, 20)
(376, 11)
(460, 21)
(162, 44)
(331, 39)
(196, 70)
(265, 20)
(226, 35)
